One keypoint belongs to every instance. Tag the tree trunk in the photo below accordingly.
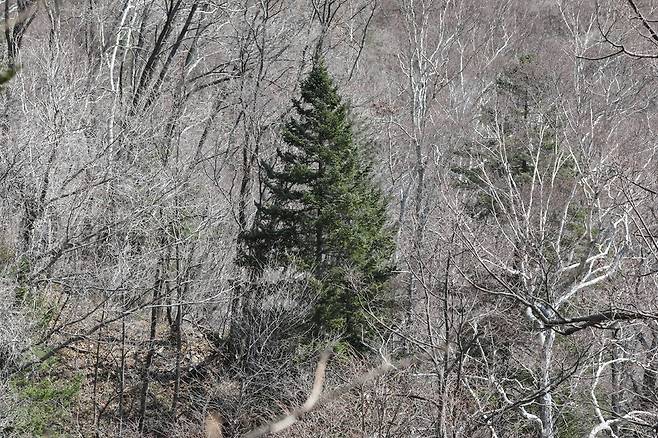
(157, 288)
(546, 403)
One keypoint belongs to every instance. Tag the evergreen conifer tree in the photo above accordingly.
(324, 214)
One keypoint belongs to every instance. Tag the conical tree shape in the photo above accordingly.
(324, 214)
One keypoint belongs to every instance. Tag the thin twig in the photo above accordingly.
(315, 399)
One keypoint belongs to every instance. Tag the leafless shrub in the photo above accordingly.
(15, 331)
(269, 349)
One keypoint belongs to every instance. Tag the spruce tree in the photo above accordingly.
(323, 213)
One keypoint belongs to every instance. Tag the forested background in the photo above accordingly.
(515, 142)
